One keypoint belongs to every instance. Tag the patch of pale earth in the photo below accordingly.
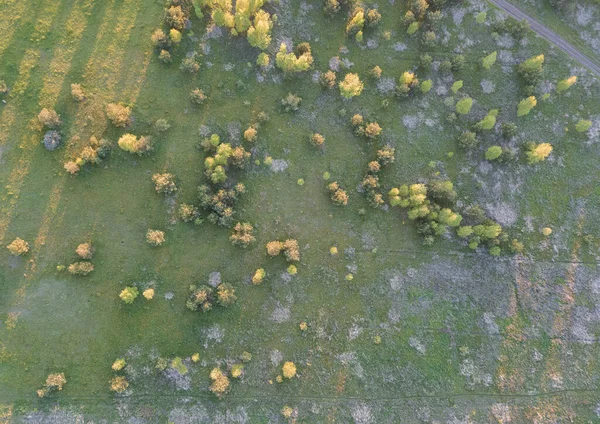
(213, 31)
(593, 132)
(315, 76)
(214, 278)
(394, 314)
(501, 413)
(488, 86)
(368, 241)
(485, 167)
(281, 314)
(334, 63)
(546, 87)
(473, 374)
(490, 323)
(260, 77)
(229, 67)
(234, 131)
(361, 414)
(410, 121)
(354, 332)
(181, 382)
(596, 286)
(396, 282)
(502, 213)
(349, 253)
(506, 57)
(506, 41)
(386, 85)
(400, 47)
(204, 131)
(582, 319)
(372, 44)
(441, 90)
(214, 334)
(537, 356)
(458, 13)
(411, 272)
(346, 63)
(347, 358)
(238, 416)
(279, 165)
(276, 357)
(195, 414)
(417, 345)
(529, 223)
(169, 295)
(584, 15)
(590, 39)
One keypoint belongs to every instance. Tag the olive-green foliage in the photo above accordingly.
(426, 86)
(351, 86)
(489, 60)
(203, 298)
(525, 105)
(291, 102)
(531, 71)
(220, 203)
(128, 294)
(298, 61)
(464, 105)
(583, 125)
(493, 152)
(488, 122)
(468, 140)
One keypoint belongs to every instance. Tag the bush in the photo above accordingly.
(128, 294)
(162, 125)
(119, 115)
(148, 294)
(429, 38)
(538, 152)
(187, 212)
(493, 153)
(291, 102)
(250, 135)
(85, 251)
(327, 79)
(259, 34)
(406, 84)
(463, 106)
(164, 183)
(258, 276)
(54, 382)
(386, 155)
(338, 196)
(526, 105)
(291, 250)
(165, 57)
(425, 61)
(289, 370)
(242, 234)
(178, 365)
(356, 21)
(351, 86)
(190, 65)
(468, 140)
(565, 84)
(77, 92)
(80, 268)
(457, 85)
(220, 382)
(71, 167)
(226, 295)
(51, 140)
(175, 36)
(531, 70)
(18, 247)
(376, 72)
(49, 118)
(119, 364)
(175, 17)
(372, 130)
(489, 60)
(317, 140)
(119, 384)
(155, 237)
(160, 40)
(274, 248)
(197, 96)
(220, 204)
(509, 130)
(130, 143)
(201, 298)
(488, 122)
(583, 125)
(291, 62)
(426, 86)
(263, 60)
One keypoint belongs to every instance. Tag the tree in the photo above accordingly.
(468, 140)
(493, 153)
(71, 167)
(130, 143)
(220, 382)
(258, 276)
(259, 34)
(77, 92)
(372, 130)
(531, 70)
(509, 130)
(201, 298)
(175, 17)
(463, 106)
(289, 370)
(488, 122)
(175, 36)
(294, 62)
(155, 237)
(489, 60)
(565, 84)
(526, 105)
(274, 248)
(160, 40)
(426, 86)
(356, 22)
(164, 183)
(327, 79)
(190, 65)
(412, 28)
(49, 118)
(197, 96)
(242, 234)
(583, 125)
(263, 60)
(128, 294)
(538, 152)
(226, 295)
(54, 382)
(18, 247)
(291, 102)
(351, 86)
(458, 62)
(250, 135)
(338, 196)
(119, 115)
(457, 85)
(291, 250)
(119, 384)
(317, 140)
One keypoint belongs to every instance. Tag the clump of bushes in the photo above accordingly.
(370, 130)
(118, 114)
(220, 203)
(94, 153)
(351, 86)
(370, 182)
(155, 237)
(197, 96)
(289, 248)
(291, 102)
(407, 84)
(242, 234)
(18, 247)
(220, 382)
(188, 212)
(49, 118)
(77, 92)
(531, 71)
(80, 268)
(129, 294)
(359, 18)
(119, 384)
(299, 60)
(222, 156)
(51, 140)
(338, 195)
(537, 152)
(132, 144)
(164, 183)
(203, 298)
(54, 382)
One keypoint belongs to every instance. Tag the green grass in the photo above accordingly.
(77, 325)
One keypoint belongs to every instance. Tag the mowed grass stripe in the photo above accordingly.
(11, 13)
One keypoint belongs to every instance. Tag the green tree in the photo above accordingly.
(583, 125)
(489, 60)
(526, 105)
(493, 153)
(351, 86)
(464, 105)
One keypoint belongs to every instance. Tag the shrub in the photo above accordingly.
(18, 247)
(226, 295)
(493, 153)
(489, 60)
(317, 140)
(71, 167)
(160, 40)
(3, 87)
(77, 92)
(526, 105)
(538, 152)
(338, 196)
(80, 268)
(386, 155)
(187, 212)
(372, 130)
(118, 114)
(327, 79)
(175, 36)
(85, 251)
(220, 204)
(130, 143)
(258, 276)
(162, 125)
(220, 382)
(458, 62)
(155, 237)
(291, 250)
(201, 298)
(509, 130)
(289, 370)
(197, 96)
(406, 84)
(54, 382)
(294, 62)
(351, 86)
(463, 106)
(412, 28)
(426, 86)
(175, 17)
(263, 60)
(468, 140)
(531, 70)
(425, 61)
(128, 294)
(488, 122)
(457, 85)
(119, 384)
(429, 38)
(356, 22)
(51, 140)
(164, 183)
(583, 125)
(565, 84)
(376, 72)
(148, 294)
(49, 118)
(445, 66)
(242, 234)
(165, 57)
(274, 248)
(250, 135)
(291, 102)
(190, 65)
(118, 365)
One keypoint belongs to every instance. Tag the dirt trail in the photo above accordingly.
(548, 34)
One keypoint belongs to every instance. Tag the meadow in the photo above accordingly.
(396, 331)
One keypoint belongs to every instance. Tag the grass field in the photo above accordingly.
(465, 337)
